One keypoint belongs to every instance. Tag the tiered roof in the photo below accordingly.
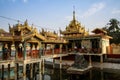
(74, 27)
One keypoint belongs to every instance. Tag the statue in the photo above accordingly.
(80, 62)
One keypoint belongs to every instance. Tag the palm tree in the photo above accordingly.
(114, 25)
(113, 30)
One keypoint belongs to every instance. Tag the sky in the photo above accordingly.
(57, 14)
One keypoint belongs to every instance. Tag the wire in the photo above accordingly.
(23, 22)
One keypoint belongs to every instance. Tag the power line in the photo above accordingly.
(10, 18)
(23, 22)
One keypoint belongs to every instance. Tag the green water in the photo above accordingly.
(94, 74)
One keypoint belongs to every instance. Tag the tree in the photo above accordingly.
(113, 30)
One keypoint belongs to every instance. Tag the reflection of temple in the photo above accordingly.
(78, 37)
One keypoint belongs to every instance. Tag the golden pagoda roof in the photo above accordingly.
(49, 34)
(74, 27)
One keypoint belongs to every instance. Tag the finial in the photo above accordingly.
(73, 12)
(26, 23)
(18, 22)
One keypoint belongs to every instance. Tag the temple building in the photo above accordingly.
(84, 42)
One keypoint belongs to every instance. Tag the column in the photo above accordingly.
(60, 48)
(40, 76)
(1, 44)
(8, 71)
(60, 62)
(16, 48)
(24, 52)
(101, 58)
(16, 71)
(2, 78)
(9, 51)
(53, 63)
(90, 61)
(53, 51)
(43, 66)
(31, 71)
(24, 71)
(40, 50)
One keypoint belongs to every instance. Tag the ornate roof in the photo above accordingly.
(52, 37)
(74, 27)
(99, 31)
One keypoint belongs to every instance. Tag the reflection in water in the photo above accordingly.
(57, 74)
(94, 74)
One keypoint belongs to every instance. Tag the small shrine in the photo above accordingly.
(74, 29)
(82, 41)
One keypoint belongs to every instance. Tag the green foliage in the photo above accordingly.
(113, 30)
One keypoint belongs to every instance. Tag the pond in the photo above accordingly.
(94, 74)
(57, 74)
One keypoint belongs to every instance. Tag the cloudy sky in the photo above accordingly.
(55, 14)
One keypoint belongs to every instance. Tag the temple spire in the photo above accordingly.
(73, 12)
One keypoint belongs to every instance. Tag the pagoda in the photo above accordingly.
(84, 42)
(74, 29)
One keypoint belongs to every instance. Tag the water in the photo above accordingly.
(94, 74)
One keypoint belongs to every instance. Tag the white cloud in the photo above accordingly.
(93, 9)
(116, 12)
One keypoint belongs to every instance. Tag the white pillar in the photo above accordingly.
(90, 61)
(60, 62)
(40, 75)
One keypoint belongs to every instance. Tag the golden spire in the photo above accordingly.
(74, 13)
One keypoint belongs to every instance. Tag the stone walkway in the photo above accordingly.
(106, 65)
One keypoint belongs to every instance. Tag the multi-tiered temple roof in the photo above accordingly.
(74, 29)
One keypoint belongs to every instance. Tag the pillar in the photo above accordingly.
(101, 58)
(24, 51)
(60, 62)
(16, 48)
(90, 61)
(9, 53)
(60, 74)
(53, 51)
(60, 48)
(24, 71)
(40, 50)
(16, 71)
(40, 76)
(2, 78)
(90, 73)
(8, 71)
(31, 71)
(53, 63)
(43, 66)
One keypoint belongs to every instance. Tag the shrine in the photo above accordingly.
(84, 42)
